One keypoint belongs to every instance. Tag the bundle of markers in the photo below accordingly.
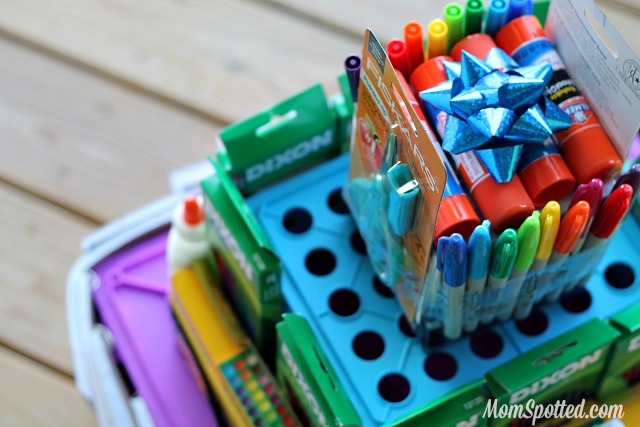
(499, 267)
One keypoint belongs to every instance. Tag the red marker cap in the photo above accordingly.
(397, 52)
(612, 212)
(571, 227)
(193, 212)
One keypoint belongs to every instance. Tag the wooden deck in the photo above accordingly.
(100, 100)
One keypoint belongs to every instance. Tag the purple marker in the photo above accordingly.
(631, 177)
(352, 65)
(591, 193)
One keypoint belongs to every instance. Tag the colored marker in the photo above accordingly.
(631, 177)
(454, 275)
(397, 52)
(352, 65)
(607, 221)
(413, 41)
(503, 256)
(505, 205)
(517, 8)
(571, 227)
(585, 146)
(478, 257)
(454, 17)
(473, 17)
(528, 240)
(437, 33)
(496, 17)
(549, 226)
(591, 193)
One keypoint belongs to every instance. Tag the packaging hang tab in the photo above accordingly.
(397, 226)
(280, 140)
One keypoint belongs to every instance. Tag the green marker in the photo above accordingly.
(503, 256)
(454, 18)
(473, 17)
(528, 240)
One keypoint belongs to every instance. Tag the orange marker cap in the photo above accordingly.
(414, 42)
(429, 74)
(476, 44)
(571, 227)
(456, 215)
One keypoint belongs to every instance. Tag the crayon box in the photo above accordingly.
(567, 368)
(304, 372)
(249, 267)
(621, 379)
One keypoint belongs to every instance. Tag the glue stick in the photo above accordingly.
(506, 205)
(187, 240)
(542, 170)
(585, 145)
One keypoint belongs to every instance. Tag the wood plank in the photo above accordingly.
(88, 144)
(33, 395)
(387, 19)
(39, 244)
(227, 58)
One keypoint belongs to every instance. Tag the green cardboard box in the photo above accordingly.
(566, 368)
(279, 141)
(248, 266)
(462, 407)
(621, 378)
(304, 371)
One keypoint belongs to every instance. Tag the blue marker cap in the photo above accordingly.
(480, 251)
(455, 261)
(443, 242)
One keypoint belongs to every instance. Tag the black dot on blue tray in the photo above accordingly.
(381, 288)
(577, 301)
(535, 324)
(320, 262)
(405, 327)
(344, 302)
(619, 275)
(368, 345)
(440, 366)
(357, 243)
(297, 220)
(394, 388)
(486, 344)
(336, 202)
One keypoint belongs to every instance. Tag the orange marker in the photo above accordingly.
(506, 205)
(571, 228)
(436, 38)
(585, 146)
(414, 42)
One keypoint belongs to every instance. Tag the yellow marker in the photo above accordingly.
(437, 38)
(549, 226)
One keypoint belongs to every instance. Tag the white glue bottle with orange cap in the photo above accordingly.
(187, 240)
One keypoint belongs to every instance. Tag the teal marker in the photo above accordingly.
(528, 240)
(478, 258)
(503, 256)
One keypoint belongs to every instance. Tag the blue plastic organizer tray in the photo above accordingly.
(328, 279)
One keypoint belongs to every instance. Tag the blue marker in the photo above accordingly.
(454, 275)
(479, 255)
(517, 8)
(497, 16)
